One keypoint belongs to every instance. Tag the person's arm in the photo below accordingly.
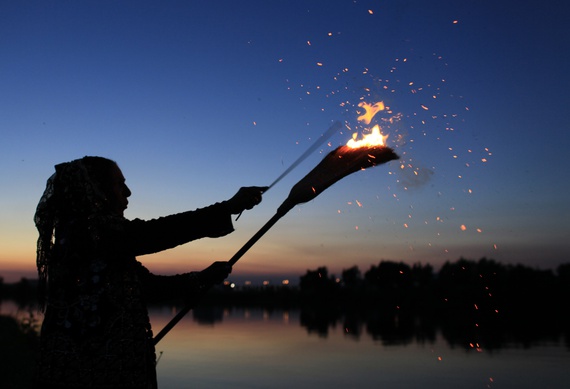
(151, 236)
(139, 237)
(186, 286)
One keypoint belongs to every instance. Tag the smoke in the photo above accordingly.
(413, 177)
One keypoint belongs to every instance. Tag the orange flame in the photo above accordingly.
(375, 138)
(371, 110)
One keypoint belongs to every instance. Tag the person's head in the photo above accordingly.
(80, 190)
(87, 186)
(109, 179)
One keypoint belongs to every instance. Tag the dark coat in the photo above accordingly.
(96, 331)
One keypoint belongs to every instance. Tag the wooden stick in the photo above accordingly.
(282, 211)
(336, 126)
(330, 170)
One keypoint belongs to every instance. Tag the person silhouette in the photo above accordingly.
(96, 330)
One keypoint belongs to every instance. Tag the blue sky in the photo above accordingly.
(195, 99)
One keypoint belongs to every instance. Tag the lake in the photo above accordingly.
(260, 348)
(256, 348)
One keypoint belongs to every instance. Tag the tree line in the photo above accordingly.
(485, 285)
(470, 301)
(467, 287)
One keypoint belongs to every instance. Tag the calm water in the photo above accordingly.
(253, 348)
(242, 348)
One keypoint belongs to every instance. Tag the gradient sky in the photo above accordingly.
(194, 99)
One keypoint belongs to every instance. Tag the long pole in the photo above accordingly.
(283, 209)
(286, 207)
(331, 169)
(335, 127)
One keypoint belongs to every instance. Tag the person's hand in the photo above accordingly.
(214, 274)
(246, 198)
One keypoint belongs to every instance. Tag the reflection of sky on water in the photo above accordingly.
(256, 349)
(253, 348)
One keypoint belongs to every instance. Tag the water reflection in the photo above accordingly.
(254, 347)
(395, 328)
(388, 327)
(247, 347)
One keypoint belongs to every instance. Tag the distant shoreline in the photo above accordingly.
(483, 288)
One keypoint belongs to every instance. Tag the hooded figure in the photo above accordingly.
(96, 331)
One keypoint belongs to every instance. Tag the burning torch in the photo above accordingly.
(339, 163)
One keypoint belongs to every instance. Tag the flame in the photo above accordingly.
(375, 138)
(371, 110)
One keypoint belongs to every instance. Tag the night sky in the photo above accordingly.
(194, 99)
